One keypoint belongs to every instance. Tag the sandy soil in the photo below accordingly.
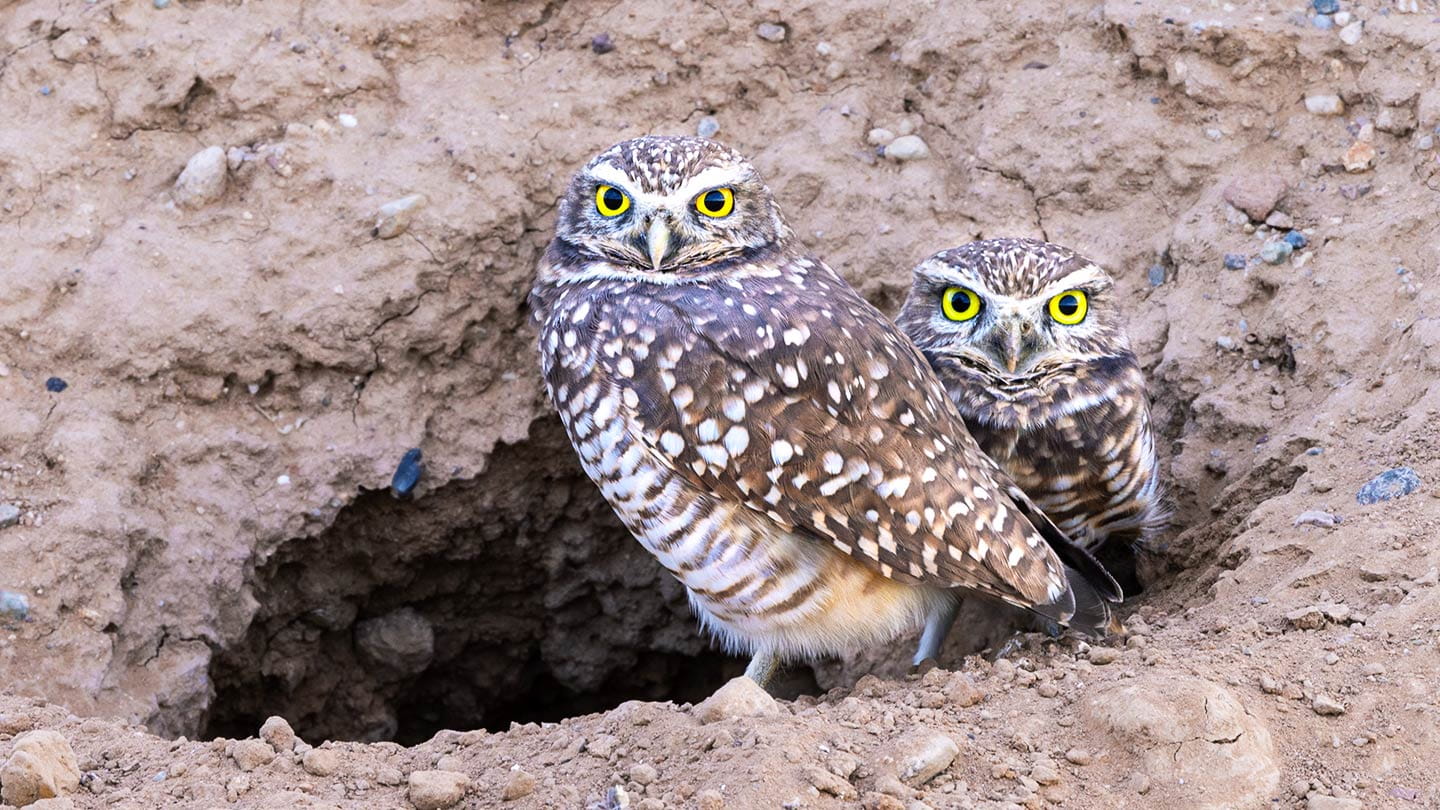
(208, 376)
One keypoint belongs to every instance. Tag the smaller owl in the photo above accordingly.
(1028, 338)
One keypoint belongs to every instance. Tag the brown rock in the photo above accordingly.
(961, 691)
(435, 790)
(1192, 740)
(740, 697)
(521, 784)
(827, 782)
(1103, 655)
(1257, 194)
(1326, 706)
(41, 765)
(251, 754)
(52, 804)
(710, 800)
(277, 732)
(881, 801)
(1317, 801)
(321, 762)
(1359, 157)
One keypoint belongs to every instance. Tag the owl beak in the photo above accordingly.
(657, 242)
(1015, 342)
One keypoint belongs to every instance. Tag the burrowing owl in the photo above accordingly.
(1028, 339)
(770, 437)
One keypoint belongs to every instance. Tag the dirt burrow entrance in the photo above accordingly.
(511, 597)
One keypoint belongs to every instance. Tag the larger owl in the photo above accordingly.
(777, 444)
(1029, 340)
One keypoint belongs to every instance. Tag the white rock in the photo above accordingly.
(347, 120)
(1351, 33)
(1407, 6)
(907, 147)
(1324, 104)
(879, 136)
(924, 756)
(1343, 18)
(395, 216)
(203, 180)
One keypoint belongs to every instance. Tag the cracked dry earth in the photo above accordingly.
(226, 315)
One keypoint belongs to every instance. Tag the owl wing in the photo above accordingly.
(793, 396)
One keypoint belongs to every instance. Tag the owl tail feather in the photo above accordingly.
(1091, 586)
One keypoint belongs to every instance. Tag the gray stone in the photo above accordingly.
(771, 32)
(1276, 252)
(708, 127)
(907, 147)
(924, 755)
(14, 606)
(9, 515)
(1388, 485)
(203, 180)
(403, 641)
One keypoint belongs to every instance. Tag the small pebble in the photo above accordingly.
(771, 32)
(407, 473)
(45, 90)
(1157, 275)
(879, 136)
(203, 179)
(1103, 655)
(521, 784)
(1078, 756)
(14, 606)
(1296, 239)
(1276, 252)
(1323, 22)
(394, 217)
(1315, 517)
(55, 385)
(347, 120)
(251, 754)
(1225, 342)
(708, 127)
(1388, 485)
(162, 3)
(1280, 220)
(1324, 104)
(1234, 261)
(907, 147)
(321, 762)
(1359, 157)
(1325, 6)
(9, 516)
(602, 44)
(1326, 706)
(1342, 18)
(1351, 33)
(436, 790)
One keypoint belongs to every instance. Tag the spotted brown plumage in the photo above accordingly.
(774, 441)
(1061, 407)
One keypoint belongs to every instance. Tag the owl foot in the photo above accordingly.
(762, 669)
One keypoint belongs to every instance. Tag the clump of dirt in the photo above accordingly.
(210, 370)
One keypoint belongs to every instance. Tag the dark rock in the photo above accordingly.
(408, 473)
(1389, 485)
(55, 385)
(602, 44)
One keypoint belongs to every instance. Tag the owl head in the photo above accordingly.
(1013, 323)
(665, 208)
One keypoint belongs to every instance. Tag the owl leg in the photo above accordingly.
(763, 666)
(937, 627)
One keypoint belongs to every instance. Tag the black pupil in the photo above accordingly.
(715, 200)
(613, 198)
(1069, 305)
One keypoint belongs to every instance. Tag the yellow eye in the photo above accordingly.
(1069, 307)
(611, 201)
(960, 304)
(717, 202)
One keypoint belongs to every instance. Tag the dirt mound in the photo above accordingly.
(256, 253)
